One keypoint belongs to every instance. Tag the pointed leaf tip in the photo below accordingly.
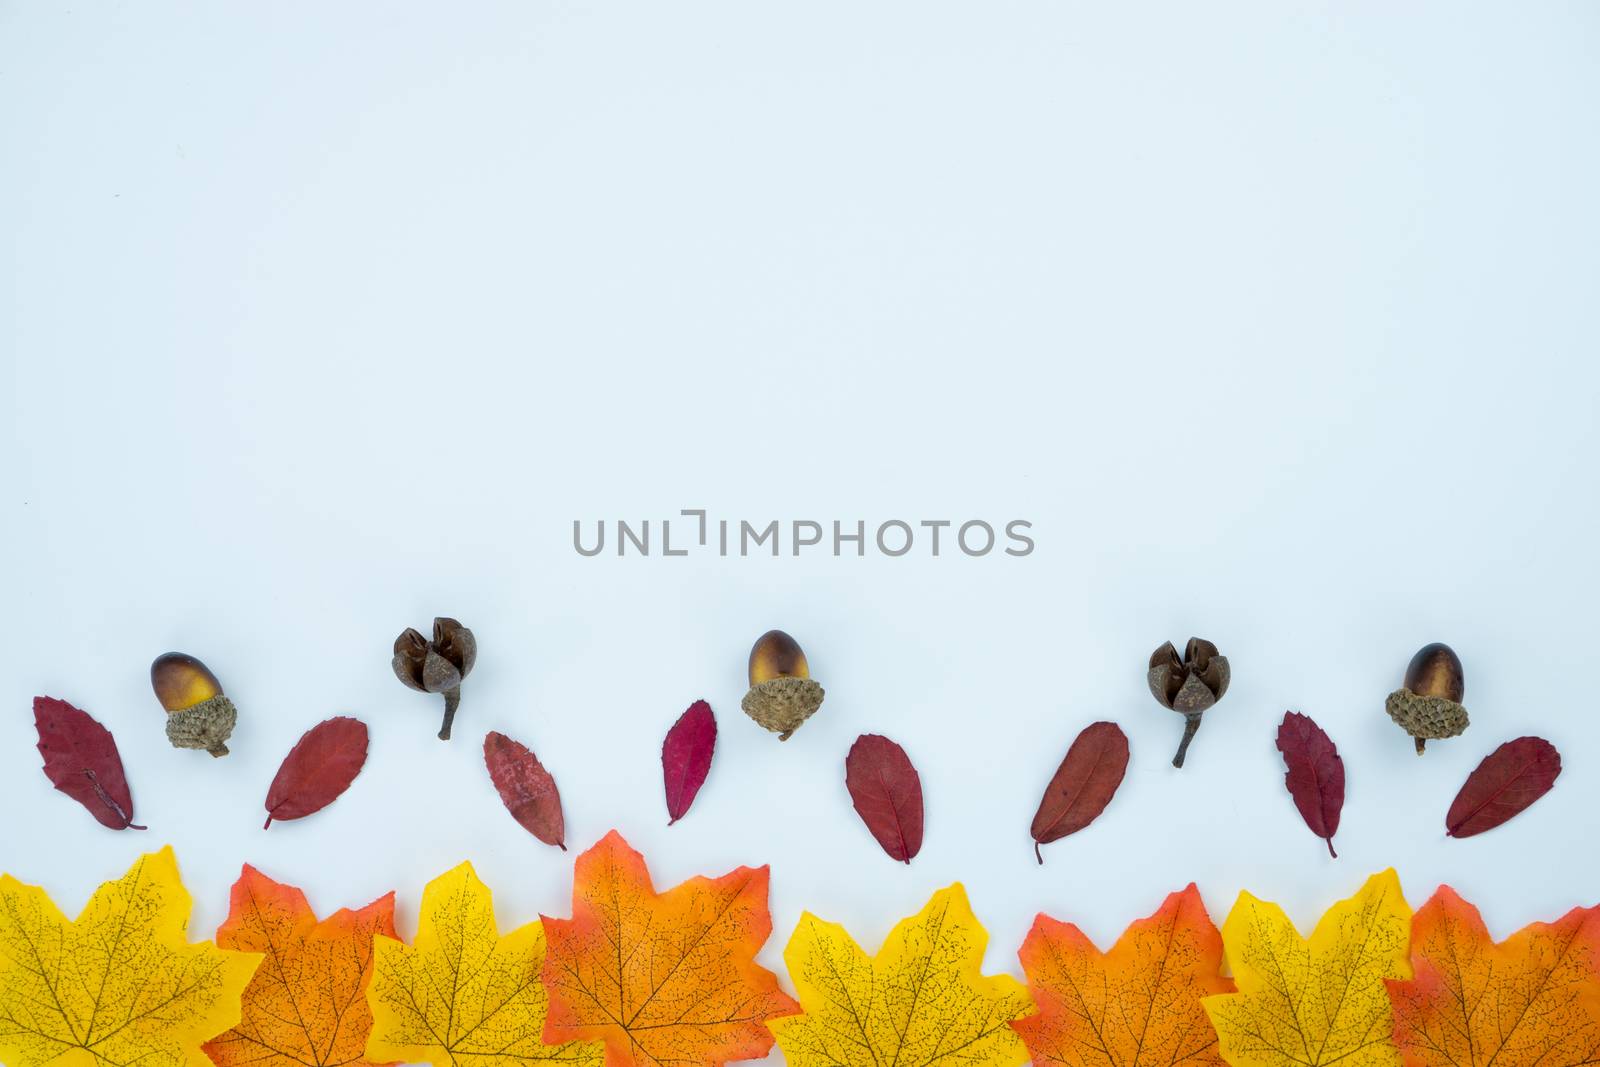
(887, 793)
(686, 757)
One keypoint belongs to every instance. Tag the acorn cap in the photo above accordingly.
(1426, 717)
(206, 725)
(782, 704)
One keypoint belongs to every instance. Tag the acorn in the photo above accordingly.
(1188, 685)
(1428, 705)
(782, 695)
(198, 714)
(437, 666)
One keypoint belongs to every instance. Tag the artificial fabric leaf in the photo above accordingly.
(922, 1000)
(1083, 785)
(319, 768)
(1504, 784)
(686, 757)
(887, 793)
(1315, 774)
(528, 790)
(117, 986)
(306, 1005)
(1137, 1005)
(1531, 1001)
(462, 993)
(1317, 1001)
(661, 978)
(81, 760)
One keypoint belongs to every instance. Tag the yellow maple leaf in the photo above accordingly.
(1311, 1002)
(119, 984)
(923, 1001)
(463, 992)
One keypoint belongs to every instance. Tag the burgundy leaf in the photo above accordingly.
(319, 767)
(1083, 785)
(527, 789)
(81, 760)
(686, 757)
(1507, 781)
(1315, 776)
(887, 793)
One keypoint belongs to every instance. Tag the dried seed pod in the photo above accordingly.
(1188, 685)
(1428, 705)
(782, 694)
(437, 666)
(199, 715)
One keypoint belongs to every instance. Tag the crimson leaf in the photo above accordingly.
(319, 768)
(1507, 781)
(81, 760)
(887, 793)
(528, 790)
(1315, 774)
(686, 757)
(1083, 785)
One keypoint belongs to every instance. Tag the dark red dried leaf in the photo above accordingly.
(81, 760)
(1083, 785)
(1506, 782)
(1315, 775)
(528, 790)
(686, 757)
(319, 767)
(887, 793)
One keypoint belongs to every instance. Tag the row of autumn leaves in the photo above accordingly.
(637, 977)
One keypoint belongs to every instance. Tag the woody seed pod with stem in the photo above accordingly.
(782, 695)
(1428, 705)
(437, 666)
(1189, 685)
(198, 714)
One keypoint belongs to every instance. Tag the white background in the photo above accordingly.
(1277, 320)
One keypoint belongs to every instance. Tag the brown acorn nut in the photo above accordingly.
(437, 666)
(198, 714)
(1188, 685)
(782, 695)
(1428, 705)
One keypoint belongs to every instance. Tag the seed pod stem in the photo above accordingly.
(452, 700)
(1191, 726)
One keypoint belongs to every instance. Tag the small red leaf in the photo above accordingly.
(887, 794)
(81, 760)
(319, 767)
(1507, 781)
(1315, 776)
(686, 757)
(527, 789)
(1083, 785)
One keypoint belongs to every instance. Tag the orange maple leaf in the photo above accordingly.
(661, 978)
(1532, 999)
(306, 1005)
(1137, 1005)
